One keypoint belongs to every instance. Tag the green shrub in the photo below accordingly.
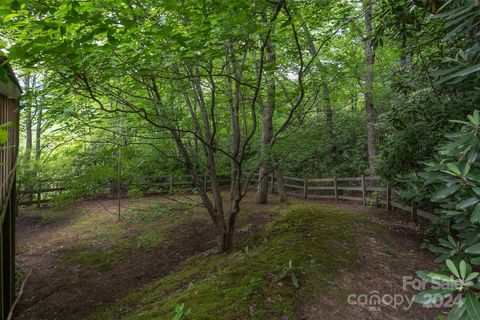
(134, 193)
(454, 181)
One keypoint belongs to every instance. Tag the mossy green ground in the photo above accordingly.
(100, 239)
(307, 244)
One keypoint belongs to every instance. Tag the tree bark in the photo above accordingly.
(267, 124)
(38, 147)
(329, 122)
(29, 88)
(325, 90)
(406, 56)
(368, 93)
(234, 102)
(28, 120)
(38, 133)
(215, 207)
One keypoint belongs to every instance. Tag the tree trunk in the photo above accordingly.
(38, 133)
(267, 124)
(369, 106)
(215, 207)
(28, 120)
(325, 97)
(329, 123)
(234, 99)
(38, 148)
(28, 133)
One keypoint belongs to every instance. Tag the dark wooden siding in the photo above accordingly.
(8, 154)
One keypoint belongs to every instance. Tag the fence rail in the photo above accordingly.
(362, 189)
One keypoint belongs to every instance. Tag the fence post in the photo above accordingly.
(335, 190)
(39, 195)
(271, 183)
(305, 188)
(363, 190)
(414, 210)
(170, 186)
(389, 198)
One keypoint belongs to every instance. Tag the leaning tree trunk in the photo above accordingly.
(369, 106)
(267, 125)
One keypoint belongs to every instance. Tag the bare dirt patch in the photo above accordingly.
(61, 288)
(384, 259)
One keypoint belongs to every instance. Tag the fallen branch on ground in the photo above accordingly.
(20, 293)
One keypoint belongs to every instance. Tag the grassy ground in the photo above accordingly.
(299, 260)
(295, 255)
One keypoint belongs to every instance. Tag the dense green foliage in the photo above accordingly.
(123, 92)
(78, 42)
(455, 179)
(439, 85)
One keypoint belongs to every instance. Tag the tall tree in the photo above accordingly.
(368, 90)
(267, 123)
(29, 83)
(322, 89)
(38, 131)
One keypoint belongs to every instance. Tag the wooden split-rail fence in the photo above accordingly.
(369, 190)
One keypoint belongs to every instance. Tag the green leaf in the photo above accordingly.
(475, 261)
(467, 203)
(462, 73)
(472, 276)
(432, 296)
(476, 190)
(170, 4)
(439, 250)
(475, 217)
(445, 192)
(451, 213)
(457, 311)
(452, 241)
(3, 136)
(475, 249)
(453, 167)
(476, 116)
(437, 277)
(472, 155)
(447, 244)
(463, 269)
(452, 268)
(473, 306)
